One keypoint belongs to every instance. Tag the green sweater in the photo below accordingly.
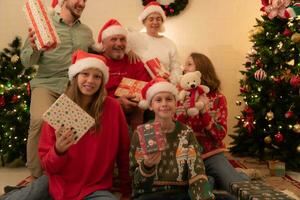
(180, 169)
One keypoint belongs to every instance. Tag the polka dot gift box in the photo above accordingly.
(65, 111)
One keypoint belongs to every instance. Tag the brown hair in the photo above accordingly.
(205, 66)
(95, 108)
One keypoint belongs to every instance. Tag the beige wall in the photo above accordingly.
(217, 28)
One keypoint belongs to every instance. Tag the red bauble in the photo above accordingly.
(15, 99)
(278, 137)
(295, 81)
(277, 80)
(260, 75)
(287, 32)
(289, 114)
(243, 90)
(259, 63)
(28, 88)
(2, 101)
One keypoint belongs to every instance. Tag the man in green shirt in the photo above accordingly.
(51, 78)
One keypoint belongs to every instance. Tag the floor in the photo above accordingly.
(11, 176)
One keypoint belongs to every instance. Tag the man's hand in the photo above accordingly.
(64, 139)
(127, 104)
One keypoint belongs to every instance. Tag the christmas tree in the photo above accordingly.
(268, 127)
(14, 103)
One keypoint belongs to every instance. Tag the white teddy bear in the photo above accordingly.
(193, 93)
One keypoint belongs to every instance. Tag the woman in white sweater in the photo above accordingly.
(157, 45)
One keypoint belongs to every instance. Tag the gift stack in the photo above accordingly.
(256, 190)
(151, 138)
(130, 87)
(276, 168)
(66, 112)
(45, 34)
(156, 69)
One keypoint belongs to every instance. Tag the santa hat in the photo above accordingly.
(110, 28)
(153, 87)
(152, 7)
(292, 11)
(56, 5)
(82, 60)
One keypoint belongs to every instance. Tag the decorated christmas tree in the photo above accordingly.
(268, 127)
(14, 103)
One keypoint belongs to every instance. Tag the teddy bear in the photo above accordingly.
(193, 94)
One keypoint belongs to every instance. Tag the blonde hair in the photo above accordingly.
(95, 107)
(209, 76)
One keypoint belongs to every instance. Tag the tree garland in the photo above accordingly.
(171, 9)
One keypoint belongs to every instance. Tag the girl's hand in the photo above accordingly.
(64, 139)
(152, 159)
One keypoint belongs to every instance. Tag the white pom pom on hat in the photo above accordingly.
(82, 60)
(152, 88)
(152, 7)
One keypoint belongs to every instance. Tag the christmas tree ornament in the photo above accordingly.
(277, 80)
(28, 89)
(278, 137)
(292, 11)
(269, 116)
(2, 101)
(14, 59)
(238, 103)
(260, 75)
(298, 149)
(15, 99)
(295, 81)
(295, 37)
(1, 89)
(287, 32)
(275, 8)
(296, 128)
(259, 63)
(267, 139)
(289, 114)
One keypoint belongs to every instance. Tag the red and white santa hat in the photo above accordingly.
(152, 7)
(82, 60)
(153, 87)
(56, 5)
(110, 28)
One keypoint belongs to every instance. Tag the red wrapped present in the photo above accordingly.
(156, 69)
(130, 86)
(38, 19)
(151, 138)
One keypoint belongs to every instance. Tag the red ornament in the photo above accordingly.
(295, 81)
(289, 114)
(172, 10)
(28, 89)
(278, 137)
(287, 32)
(15, 99)
(243, 90)
(277, 80)
(259, 63)
(260, 75)
(2, 101)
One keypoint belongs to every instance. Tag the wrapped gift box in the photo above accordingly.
(130, 87)
(38, 19)
(248, 190)
(67, 112)
(156, 69)
(150, 137)
(277, 168)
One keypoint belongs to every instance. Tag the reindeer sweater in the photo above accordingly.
(180, 169)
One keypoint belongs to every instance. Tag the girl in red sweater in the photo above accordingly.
(210, 126)
(84, 170)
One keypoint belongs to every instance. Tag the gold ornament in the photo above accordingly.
(295, 37)
(269, 116)
(296, 128)
(268, 140)
(14, 58)
(298, 148)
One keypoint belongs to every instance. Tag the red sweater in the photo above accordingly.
(210, 127)
(122, 68)
(88, 165)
